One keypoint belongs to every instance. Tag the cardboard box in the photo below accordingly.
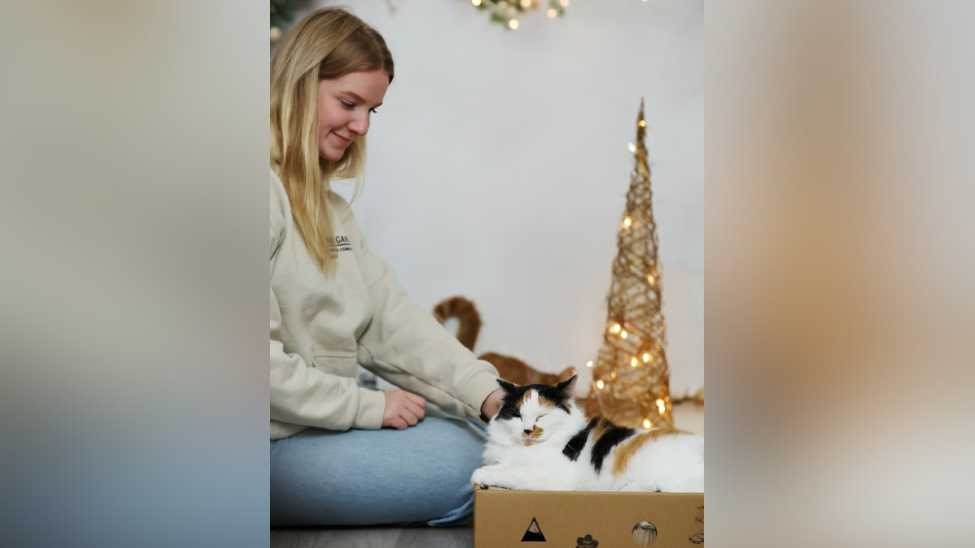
(575, 519)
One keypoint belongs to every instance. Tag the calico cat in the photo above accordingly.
(540, 441)
(509, 368)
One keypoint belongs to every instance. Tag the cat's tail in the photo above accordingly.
(465, 311)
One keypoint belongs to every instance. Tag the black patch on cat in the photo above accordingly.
(575, 445)
(559, 394)
(509, 404)
(553, 394)
(613, 437)
(507, 386)
(508, 411)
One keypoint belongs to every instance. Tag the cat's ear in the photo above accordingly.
(568, 387)
(567, 374)
(508, 387)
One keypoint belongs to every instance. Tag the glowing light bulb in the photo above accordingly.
(600, 384)
(632, 147)
(646, 422)
(476, 2)
(661, 406)
(646, 358)
(589, 364)
(623, 334)
(616, 328)
(526, 3)
(513, 24)
(552, 13)
(651, 279)
(627, 222)
(633, 362)
(643, 123)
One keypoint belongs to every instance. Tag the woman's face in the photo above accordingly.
(344, 106)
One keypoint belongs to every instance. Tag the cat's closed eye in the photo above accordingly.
(509, 413)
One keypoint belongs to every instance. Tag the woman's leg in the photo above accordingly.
(369, 477)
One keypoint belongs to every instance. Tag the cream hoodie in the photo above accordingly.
(322, 327)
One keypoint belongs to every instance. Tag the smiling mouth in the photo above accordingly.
(343, 139)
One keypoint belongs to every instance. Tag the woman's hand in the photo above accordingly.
(491, 405)
(403, 409)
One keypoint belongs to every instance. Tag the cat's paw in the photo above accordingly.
(478, 477)
(487, 477)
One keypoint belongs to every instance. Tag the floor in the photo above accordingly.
(687, 416)
(391, 537)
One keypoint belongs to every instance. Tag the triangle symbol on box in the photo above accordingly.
(534, 533)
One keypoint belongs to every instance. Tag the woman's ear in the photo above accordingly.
(507, 386)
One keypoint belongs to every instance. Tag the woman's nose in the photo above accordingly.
(360, 125)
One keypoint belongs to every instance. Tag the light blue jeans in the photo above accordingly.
(417, 476)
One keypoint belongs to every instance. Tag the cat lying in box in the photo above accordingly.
(540, 441)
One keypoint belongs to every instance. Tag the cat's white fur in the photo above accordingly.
(672, 463)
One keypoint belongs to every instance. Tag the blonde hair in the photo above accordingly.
(328, 43)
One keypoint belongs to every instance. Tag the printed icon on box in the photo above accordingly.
(644, 533)
(698, 538)
(587, 542)
(534, 533)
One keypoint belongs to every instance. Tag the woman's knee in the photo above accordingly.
(456, 495)
(371, 475)
(462, 456)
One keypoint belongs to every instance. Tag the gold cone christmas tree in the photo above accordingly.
(631, 379)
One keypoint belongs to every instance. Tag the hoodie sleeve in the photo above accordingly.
(405, 345)
(306, 395)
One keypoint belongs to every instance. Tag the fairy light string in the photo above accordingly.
(508, 12)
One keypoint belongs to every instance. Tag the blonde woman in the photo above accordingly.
(342, 454)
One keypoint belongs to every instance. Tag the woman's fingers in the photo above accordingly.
(417, 399)
(409, 417)
(415, 409)
(404, 409)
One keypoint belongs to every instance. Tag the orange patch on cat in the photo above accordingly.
(625, 451)
(546, 403)
(543, 402)
(534, 435)
(602, 426)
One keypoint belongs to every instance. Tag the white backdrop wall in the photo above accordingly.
(498, 167)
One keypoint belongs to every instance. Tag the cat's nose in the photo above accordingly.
(529, 431)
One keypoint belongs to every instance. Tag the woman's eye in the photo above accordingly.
(348, 105)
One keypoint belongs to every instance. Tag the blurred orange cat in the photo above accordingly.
(509, 368)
